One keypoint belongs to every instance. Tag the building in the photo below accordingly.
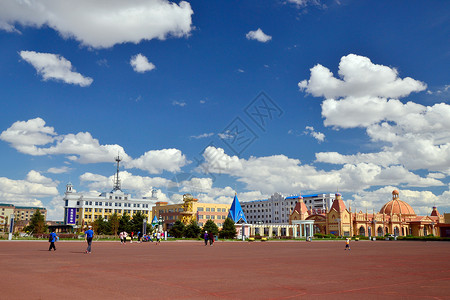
(22, 215)
(277, 209)
(6, 210)
(202, 212)
(396, 217)
(80, 209)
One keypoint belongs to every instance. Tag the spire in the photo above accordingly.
(116, 186)
(236, 213)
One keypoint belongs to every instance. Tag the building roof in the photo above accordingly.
(338, 203)
(236, 213)
(397, 206)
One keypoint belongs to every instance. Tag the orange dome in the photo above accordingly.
(397, 206)
(395, 192)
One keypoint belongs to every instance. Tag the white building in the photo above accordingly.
(82, 209)
(278, 208)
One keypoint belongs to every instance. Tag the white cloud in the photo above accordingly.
(202, 136)
(52, 66)
(289, 176)
(25, 192)
(141, 64)
(414, 136)
(179, 103)
(258, 35)
(317, 135)
(359, 77)
(34, 138)
(156, 161)
(102, 23)
(60, 170)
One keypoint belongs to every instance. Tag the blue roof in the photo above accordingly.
(236, 213)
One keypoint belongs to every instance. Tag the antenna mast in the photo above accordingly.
(117, 180)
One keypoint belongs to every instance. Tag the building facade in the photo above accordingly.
(396, 217)
(22, 215)
(170, 213)
(278, 208)
(80, 209)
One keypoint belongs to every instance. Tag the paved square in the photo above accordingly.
(227, 270)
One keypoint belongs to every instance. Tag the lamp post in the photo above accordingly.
(339, 227)
(160, 222)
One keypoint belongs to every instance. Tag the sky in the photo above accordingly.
(215, 98)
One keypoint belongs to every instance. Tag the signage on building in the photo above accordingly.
(71, 212)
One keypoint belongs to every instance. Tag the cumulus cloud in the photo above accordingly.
(258, 35)
(289, 176)
(33, 137)
(103, 23)
(27, 191)
(141, 64)
(415, 136)
(156, 161)
(359, 77)
(60, 170)
(55, 67)
(317, 135)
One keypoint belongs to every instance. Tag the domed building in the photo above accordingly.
(396, 217)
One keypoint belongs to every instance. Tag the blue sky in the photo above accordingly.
(218, 97)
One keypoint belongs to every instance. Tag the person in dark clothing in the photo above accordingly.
(52, 240)
(211, 238)
(206, 237)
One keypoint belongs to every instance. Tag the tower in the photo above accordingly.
(116, 177)
(69, 188)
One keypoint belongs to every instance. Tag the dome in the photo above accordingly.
(397, 206)
(395, 192)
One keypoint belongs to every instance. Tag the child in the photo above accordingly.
(347, 244)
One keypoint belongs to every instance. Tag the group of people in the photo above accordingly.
(141, 238)
(208, 237)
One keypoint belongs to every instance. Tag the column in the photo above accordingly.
(270, 231)
(278, 230)
(294, 231)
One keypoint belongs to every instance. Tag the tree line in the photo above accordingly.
(192, 230)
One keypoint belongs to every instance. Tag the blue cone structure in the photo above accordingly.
(236, 213)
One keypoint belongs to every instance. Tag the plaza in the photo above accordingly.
(228, 270)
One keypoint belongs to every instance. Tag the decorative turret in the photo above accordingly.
(69, 188)
(435, 212)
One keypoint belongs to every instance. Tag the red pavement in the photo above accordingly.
(228, 270)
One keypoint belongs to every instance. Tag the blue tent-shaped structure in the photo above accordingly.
(154, 221)
(236, 213)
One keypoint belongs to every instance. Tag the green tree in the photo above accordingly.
(192, 230)
(177, 229)
(37, 223)
(137, 222)
(113, 222)
(101, 226)
(228, 230)
(124, 223)
(210, 226)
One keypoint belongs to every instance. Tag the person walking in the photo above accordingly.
(88, 236)
(125, 235)
(158, 238)
(139, 234)
(52, 240)
(211, 238)
(347, 244)
(121, 237)
(206, 237)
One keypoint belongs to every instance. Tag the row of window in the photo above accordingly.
(211, 209)
(212, 217)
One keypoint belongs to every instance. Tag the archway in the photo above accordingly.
(396, 231)
(425, 231)
(380, 231)
(362, 231)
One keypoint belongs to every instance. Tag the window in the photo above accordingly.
(78, 202)
(207, 217)
(213, 209)
(224, 210)
(207, 209)
(199, 208)
(86, 202)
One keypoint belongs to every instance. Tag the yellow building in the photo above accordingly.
(6, 210)
(202, 212)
